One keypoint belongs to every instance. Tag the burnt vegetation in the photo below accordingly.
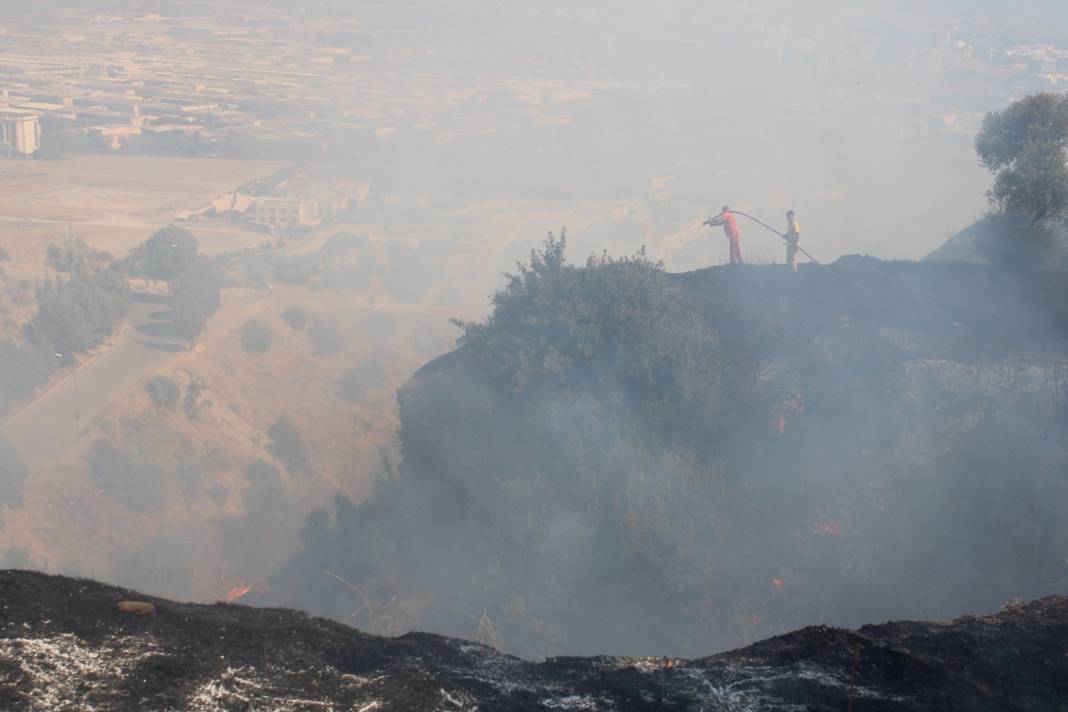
(289, 661)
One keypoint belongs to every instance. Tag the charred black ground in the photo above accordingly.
(65, 646)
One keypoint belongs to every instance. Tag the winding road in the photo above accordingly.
(42, 430)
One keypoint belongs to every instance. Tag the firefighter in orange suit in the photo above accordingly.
(733, 232)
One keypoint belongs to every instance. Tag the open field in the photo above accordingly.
(111, 202)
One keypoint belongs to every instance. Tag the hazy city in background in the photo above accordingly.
(355, 175)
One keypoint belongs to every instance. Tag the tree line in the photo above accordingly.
(82, 305)
(73, 314)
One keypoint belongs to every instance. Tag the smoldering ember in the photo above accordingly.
(533, 356)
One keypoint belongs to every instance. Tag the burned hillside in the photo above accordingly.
(621, 459)
(72, 644)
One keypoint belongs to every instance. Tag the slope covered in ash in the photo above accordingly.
(65, 647)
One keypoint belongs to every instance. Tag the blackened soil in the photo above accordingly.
(65, 646)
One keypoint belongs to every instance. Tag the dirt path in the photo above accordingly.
(50, 424)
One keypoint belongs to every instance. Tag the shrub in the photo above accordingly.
(255, 337)
(218, 494)
(614, 326)
(191, 401)
(288, 446)
(163, 391)
(296, 316)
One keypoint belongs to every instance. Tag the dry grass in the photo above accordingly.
(69, 525)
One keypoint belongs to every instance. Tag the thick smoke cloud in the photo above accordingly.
(740, 454)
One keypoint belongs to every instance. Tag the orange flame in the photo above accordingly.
(235, 593)
(778, 582)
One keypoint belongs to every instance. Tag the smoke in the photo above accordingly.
(841, 447)
(790, 452)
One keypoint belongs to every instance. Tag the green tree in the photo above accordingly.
(255, 337)
(296, 316)
(78, 312)
(1025, 146)
(163, 391)
(70, 254)
(168, 253)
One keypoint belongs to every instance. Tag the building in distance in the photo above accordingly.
(20, 132)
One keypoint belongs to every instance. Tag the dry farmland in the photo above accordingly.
(113, 202)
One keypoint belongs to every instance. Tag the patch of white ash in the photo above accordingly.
(646, 665)
(63, 673)
(573, 702)
(502, 672)
(247, 687)
(233, 685)
(508, 675)
(756, 688)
